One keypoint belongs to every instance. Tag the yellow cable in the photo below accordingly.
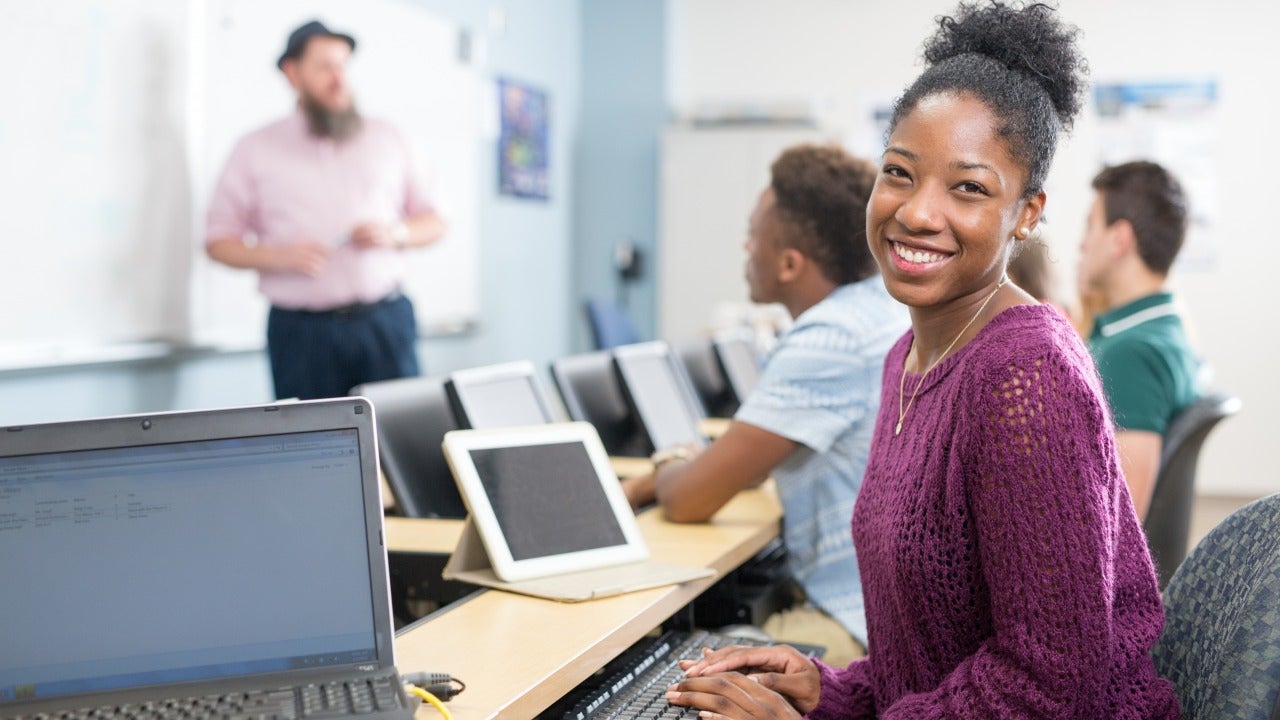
(431, 699)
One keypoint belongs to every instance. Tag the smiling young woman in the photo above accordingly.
(1005, 573)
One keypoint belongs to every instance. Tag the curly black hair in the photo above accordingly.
(820, 194)
(1021, 61)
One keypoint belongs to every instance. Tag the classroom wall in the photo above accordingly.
(525, 252)
(615, 69)
(844, 54)
(624, 109)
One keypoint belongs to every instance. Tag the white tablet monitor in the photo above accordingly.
(737, 357)
(498, 396)
(544, 499)
(659, 394)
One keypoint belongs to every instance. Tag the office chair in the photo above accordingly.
(413, 415)
(1168, 522)
(592, 392)
(709, 381)
(610, 324)
(1221, 641)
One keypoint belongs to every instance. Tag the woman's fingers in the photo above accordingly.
(778, 658)
(802, 689)
(732, 696)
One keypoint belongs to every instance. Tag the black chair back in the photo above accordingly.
(1168, 523)
(709, 380)
(592, 392)
(413, 415)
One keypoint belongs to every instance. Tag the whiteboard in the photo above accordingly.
(405, 70)
(119, 117)
(93, 180)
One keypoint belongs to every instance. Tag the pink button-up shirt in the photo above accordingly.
(284, 185)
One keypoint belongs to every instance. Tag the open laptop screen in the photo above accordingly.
(165, 563)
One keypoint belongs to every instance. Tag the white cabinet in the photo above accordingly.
(709, 184)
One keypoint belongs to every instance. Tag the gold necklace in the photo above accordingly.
(902, 412)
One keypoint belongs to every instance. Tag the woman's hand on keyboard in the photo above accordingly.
(730, 696)
(780, 669)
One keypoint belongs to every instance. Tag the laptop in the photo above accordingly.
(226, 563)
(548, 517)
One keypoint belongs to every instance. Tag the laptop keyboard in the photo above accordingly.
(314, 700)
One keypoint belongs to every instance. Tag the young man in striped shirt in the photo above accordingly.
(809, 422)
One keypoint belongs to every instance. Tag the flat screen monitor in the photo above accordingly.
(737, 358)
(659, 394)
(498, 396)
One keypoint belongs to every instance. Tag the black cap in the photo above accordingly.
(298, 40)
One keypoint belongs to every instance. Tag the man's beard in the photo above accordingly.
(328, 123)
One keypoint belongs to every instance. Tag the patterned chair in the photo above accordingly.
(1221, 643)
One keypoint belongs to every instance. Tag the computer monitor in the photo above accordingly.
(660, 394)
(737, 358)
(498, 396)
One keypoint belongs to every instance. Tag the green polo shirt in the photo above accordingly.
(1148, 369)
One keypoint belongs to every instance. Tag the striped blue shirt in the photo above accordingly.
(821, 388)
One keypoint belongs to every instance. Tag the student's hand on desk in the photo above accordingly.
(639, 490)
(779, 669)
(303, 257)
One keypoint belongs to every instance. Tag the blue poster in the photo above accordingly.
(522, 143)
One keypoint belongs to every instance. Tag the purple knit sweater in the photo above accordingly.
(1004, 570)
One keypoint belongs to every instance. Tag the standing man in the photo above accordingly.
(322, 203)
(1135, 230)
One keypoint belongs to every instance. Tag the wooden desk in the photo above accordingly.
(625, 467)
(518, 655)
(388, 499)
(421, 535)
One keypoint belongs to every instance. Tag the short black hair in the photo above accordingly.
(821, 193)
(1022, 62)
(1153, 202)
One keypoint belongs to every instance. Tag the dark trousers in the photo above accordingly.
(325, 354)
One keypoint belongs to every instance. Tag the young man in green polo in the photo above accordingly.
(1136, 228)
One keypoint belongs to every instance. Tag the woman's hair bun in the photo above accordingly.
(1026, 38)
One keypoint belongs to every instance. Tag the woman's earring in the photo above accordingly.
(1023, 233)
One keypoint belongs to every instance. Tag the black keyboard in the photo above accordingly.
(317, 700)
(635, 684)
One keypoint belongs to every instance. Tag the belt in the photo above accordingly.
(349, 310)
